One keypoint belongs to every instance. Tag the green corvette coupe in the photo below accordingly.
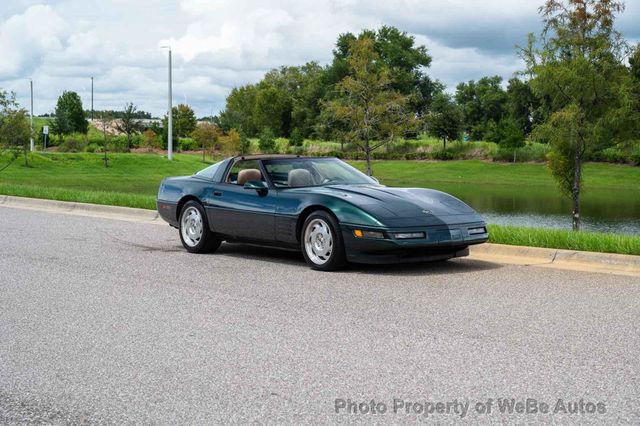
(324, 207)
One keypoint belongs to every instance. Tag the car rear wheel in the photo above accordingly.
(321, 241)
(194, 229)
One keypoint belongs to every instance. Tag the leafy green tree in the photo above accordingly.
(60, 124)
(374, 113)
(267, 141)
(292, 97)
(238, 113)
(69, 115)
(397, 51)
(444, 120)
(481, 102)
(185, 120)
(634, 69)
(272, 109)
(128, 122)
(105, 120)
(522, 105)
(578, 67)
(14, 128)
(509, 135)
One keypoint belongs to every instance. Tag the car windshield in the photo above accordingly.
(301, 172)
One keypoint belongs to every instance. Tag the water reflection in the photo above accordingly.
(603, 211)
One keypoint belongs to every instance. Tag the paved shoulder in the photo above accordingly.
(106, 321)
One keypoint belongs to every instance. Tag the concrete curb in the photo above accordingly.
(82, 209)
(619, 264)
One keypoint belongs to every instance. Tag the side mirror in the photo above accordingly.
(257, 185)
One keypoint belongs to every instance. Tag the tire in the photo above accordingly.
(321, 242)
(194, 231)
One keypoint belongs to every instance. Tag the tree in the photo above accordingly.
(579, 69)
(69, 114)
(482, 102)
(291, 97)
(634, 70)
(105, 119)
(128, 124)
(444, 120)
(184, 121)
(238, 113)
(272, 109)
(405, 61)
(207, 135)
(508, 135)
(267, 141)
(374, 112)
(14, 128)
(522, 105)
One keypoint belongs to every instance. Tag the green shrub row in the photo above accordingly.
(424, 148)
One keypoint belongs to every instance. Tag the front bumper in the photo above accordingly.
(440, 242)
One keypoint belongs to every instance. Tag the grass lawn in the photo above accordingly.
(421, 173)
(561, 239)
(132, 180)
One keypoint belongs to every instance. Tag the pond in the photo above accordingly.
(544, 207)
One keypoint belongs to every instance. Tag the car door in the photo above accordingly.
(242, 213)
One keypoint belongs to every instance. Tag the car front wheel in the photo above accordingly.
(194, 230)
(321, 241)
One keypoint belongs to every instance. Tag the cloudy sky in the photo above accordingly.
(220, 44)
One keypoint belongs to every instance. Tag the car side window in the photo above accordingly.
(243, 171)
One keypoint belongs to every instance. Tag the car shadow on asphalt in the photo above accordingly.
(442, 267)
(295, 258)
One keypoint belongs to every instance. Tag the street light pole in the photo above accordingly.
(91, 98)
(32, 145)
(169, 113)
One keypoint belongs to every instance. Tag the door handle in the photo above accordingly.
(217, 193)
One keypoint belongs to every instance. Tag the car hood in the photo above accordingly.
(406, 206)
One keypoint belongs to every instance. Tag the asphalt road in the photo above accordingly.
(105, 321)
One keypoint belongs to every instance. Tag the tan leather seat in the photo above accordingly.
(248, 174)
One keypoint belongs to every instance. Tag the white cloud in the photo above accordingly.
(26, 37)
(220, 44)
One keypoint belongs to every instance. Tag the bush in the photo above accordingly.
(531, 152)
(267, 141)
(117, 143)
(188, 144)
(443, 155)
(281, 145)
(91, 148)
(150, 140)
(72, 144)
(136, 140)
(611, 155)
(296, 138)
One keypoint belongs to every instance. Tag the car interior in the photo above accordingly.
(244, 171)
